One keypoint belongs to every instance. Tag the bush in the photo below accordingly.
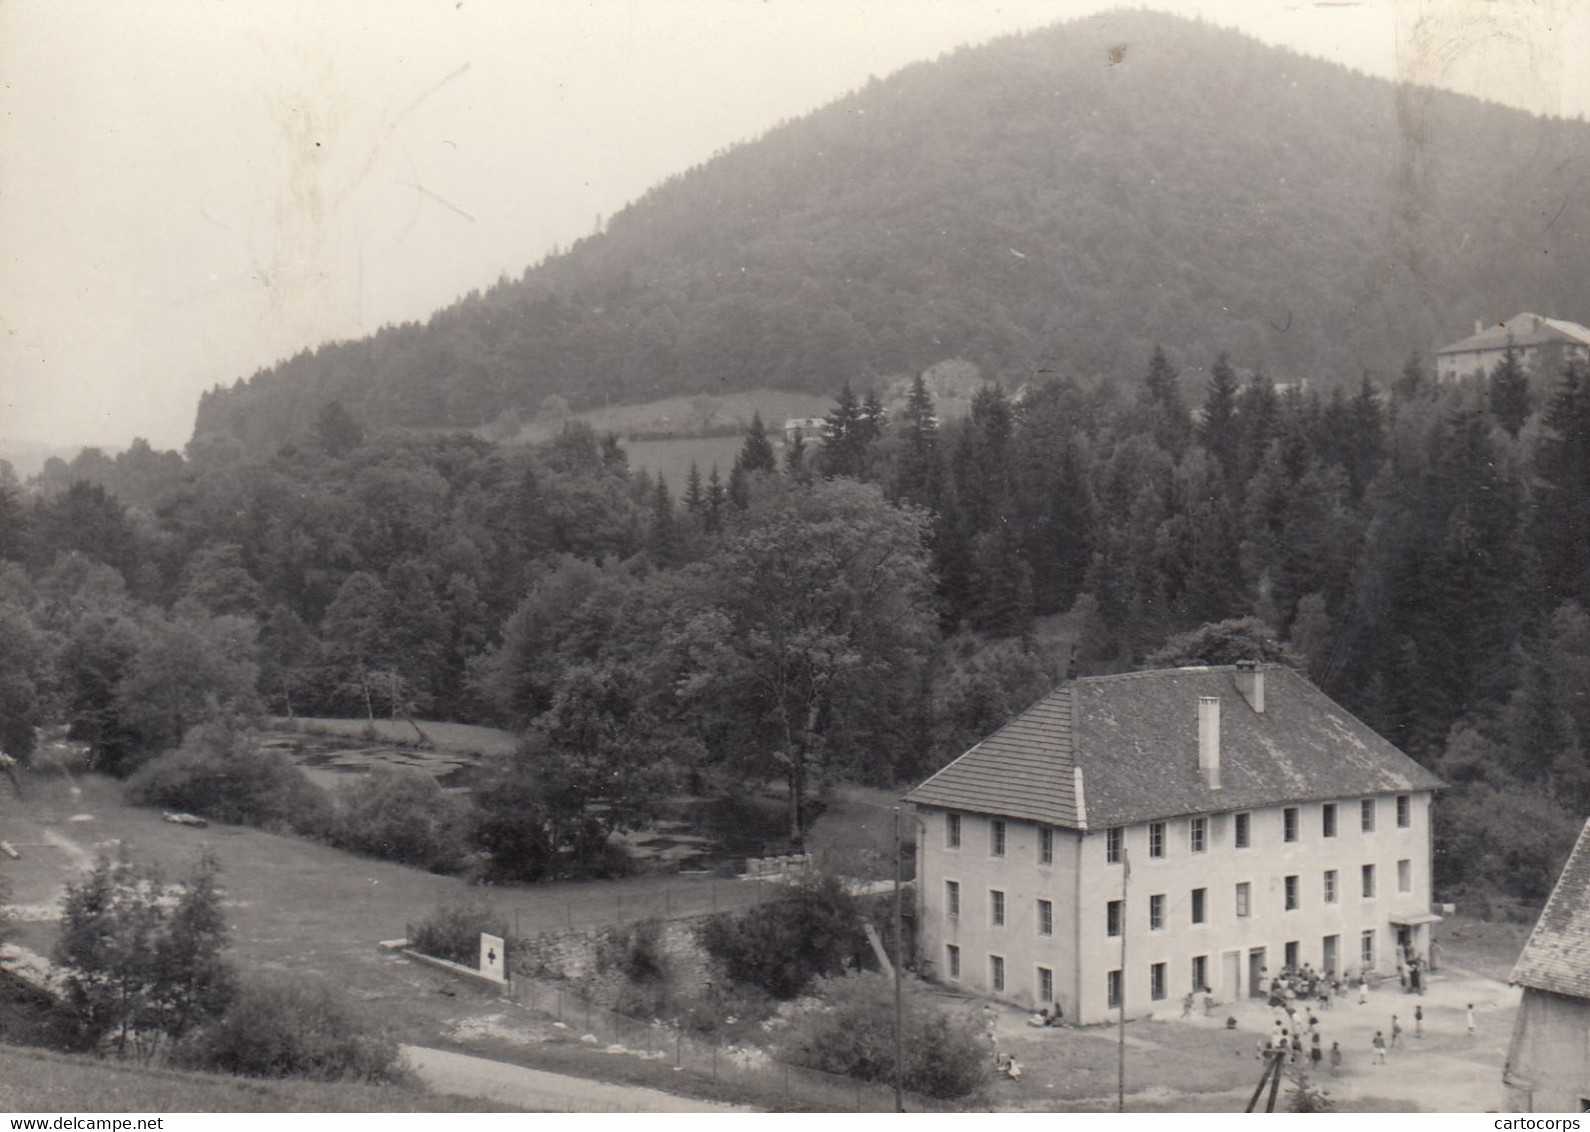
(781, 947)
(635, 950)
(282, 1026)
(852, 1034)
(453, 931)
(220, 774)
(403, 816)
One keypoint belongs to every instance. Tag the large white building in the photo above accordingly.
(1543, 345)
(1219, 822)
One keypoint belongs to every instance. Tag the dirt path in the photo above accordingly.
(539, 1091)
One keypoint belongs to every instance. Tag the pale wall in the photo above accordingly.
(1548, 1066)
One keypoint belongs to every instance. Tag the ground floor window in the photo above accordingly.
(1115, 988)
(1200, 972)
(1366, 948)
(952, 961)
(996, 972)
(1045, 986)
(1156, 982)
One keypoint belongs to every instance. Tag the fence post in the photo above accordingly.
(713, 885)
(678, 1056)
(714, 1063)
(668, 902)
(587, 1017)
(568, 904)
(786, 1080)
(858, 1096)
(560, 1004)
(621, 907)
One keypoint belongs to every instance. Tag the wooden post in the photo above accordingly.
(899, 963)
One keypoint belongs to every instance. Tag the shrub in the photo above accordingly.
(283, 1026)
(403, 816)
(635, 950)
(781, 947)
(453, 930)
(220, 774)
(851, 1033)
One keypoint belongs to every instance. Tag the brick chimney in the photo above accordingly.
(1209, 740)
(1250, 682)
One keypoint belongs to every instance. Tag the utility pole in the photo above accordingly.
(899, 963)
(1120, 1045)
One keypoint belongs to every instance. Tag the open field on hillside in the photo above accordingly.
(459, 738)
(690, 414)
(36, 1081)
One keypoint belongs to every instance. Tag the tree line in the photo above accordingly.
(863, 605)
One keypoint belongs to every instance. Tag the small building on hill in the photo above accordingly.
(1543, 345)
(1220, 823)
(810, 429)
(1548, 1064)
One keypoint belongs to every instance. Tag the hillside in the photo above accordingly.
(1058, 201)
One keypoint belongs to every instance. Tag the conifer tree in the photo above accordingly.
(795, 459)
(756, 454)
(695, 500)
(1161, 398)
(917, 477)
(716, 497)
(1217, 430)
(1508, 395)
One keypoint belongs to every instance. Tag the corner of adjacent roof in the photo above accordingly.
(1082, 805)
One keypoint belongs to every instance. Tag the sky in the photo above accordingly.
(191, 190)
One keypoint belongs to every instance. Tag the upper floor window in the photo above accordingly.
(1156, 913)
(1197, 834)
(952, 898)
(1291, 894)
(1113, 917)
(1156, 839)
(1404, 811)
(1112, 845)
(1405, 875)
(996, 907)
(952, 831)
(1244, 835)
(1198, 905)
(1366, 815)
(996, 837)
(1330, 886)
(1327, 819)
(1245, 899)
(1045, 845)
(1289, 824)
(1369, 881)
(1045, 917)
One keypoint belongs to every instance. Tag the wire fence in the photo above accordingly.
(610, 903)
(749, 1067)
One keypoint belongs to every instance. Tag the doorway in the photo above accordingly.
(1231, 974)
(1332, 954)
(1256, 972)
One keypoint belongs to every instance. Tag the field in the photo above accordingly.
(41, 1082)
(690, 414)
(453, 738)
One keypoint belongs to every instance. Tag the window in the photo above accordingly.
(1244, 830)
(1112, 846)
(1045, 845)
(996, 838)
(1289, 823)
(1366, 948)
(1200, 972)
(952, 899)
(1156, 913)
(1045, 985)
(1405, 875)
(1366, 815)
(1244, 899)
(952, 831)
(1404, 811)
(1156, 839)
(1292, 956)
(1112, 918)
(1156, 982)
(1114, 988)
(1369, 882)
(1197, 834)
(1045, 918)
(952, 961)
(1330, 886)
(996, 972)
(1198, 908)
(1291, 896)
(996, 907)
(1327, 819)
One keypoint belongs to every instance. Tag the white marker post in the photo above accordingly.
(493, 959)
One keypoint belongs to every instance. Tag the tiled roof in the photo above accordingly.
(1134, 740)
(1524, 329)
(1557, 956)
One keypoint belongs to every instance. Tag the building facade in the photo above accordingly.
(1544, 345)
(1548, 1064)
(1219, 823)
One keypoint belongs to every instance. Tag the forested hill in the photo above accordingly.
(1060, 200)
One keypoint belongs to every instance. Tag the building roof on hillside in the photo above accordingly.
(1557, 956)
(1134, 739)
(1524, 329)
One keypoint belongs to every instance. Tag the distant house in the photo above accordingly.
(1548, 1065)
(810, 428)
(1543, 344)
(1221, 823)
